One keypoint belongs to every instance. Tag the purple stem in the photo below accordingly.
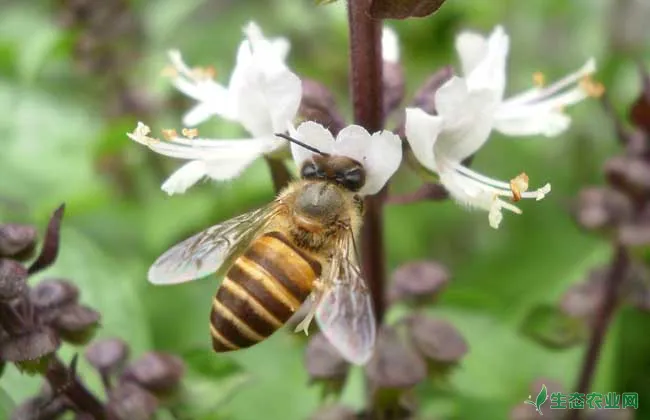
(615, 279)
(367, 100)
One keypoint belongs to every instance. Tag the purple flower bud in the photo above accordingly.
(425, 96)
(76, 324)
(420, 281)
(129, 401)
(52, 295)
(602, 208)
(394, 86)
(583, 300)
(436, 339)
(318, 105)
(17, 241)
(334, 412)
(323, 361)
(629, 174)
(394, 364)
(40, 408)
(402, 9)
(12, 279)
(159, 373)
(107, 355)
(31, 346)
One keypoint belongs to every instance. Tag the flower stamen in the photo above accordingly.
(592, 88)
(518, 185)
(169, 133)
(539, 80)
(203, 73)
(169, 71)
(190, 133)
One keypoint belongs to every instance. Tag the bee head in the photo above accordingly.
(340, 170)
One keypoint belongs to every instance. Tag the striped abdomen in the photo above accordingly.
(260, 292)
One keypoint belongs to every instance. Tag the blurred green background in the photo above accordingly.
(62, 139)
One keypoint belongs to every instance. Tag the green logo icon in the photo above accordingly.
(541, 399)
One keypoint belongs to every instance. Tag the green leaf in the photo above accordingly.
(552, 328)
(541, 397)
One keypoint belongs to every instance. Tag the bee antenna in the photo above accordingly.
(299, 143)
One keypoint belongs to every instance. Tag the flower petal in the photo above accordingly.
(389, 45)
(266, 93)
(193, 171)
(184, 177)
(314, 135)
(468, 117)
(380, 154)
(549, 124)
(490, 72)
(422, 131)
(472, 48)
(213, 98)
(380, 161)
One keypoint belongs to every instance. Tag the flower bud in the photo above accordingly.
(583, 300)
(128, 401)
(159, 373)
(12, 279)
(325, 364)
(40, 408)
(629, 174)
(54, 294)
(402, 9)
(394, 364)
(436, 339)
(420, 281)
(425, 96)
(602, 208)
(30, 351)
(17, 241)
(318, 105)
(76, 324)
(334, 412)
(107, 355)
(394, 86)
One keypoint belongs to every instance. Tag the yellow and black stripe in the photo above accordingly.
(261, 291)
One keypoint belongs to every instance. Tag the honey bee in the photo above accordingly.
(299, 247)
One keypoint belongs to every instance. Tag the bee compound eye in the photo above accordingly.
(354, 179)
(309, 171)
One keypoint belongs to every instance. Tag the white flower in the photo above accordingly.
(263, 96)
(380, 153)
(536, 111)
(469, 107)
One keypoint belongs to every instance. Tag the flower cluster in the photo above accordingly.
(266, 98)
(34, 321)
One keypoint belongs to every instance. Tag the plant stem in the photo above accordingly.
(65, 381)
(367, 100)
(611, 293)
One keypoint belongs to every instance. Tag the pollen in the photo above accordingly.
(518, 185)
(190, 133)
(169, 71)
(591, 87)
(169, 133)
(539, 79)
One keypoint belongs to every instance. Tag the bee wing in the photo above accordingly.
(344, 312)
(210, 250)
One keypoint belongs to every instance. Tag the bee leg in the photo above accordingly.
(319, 287)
